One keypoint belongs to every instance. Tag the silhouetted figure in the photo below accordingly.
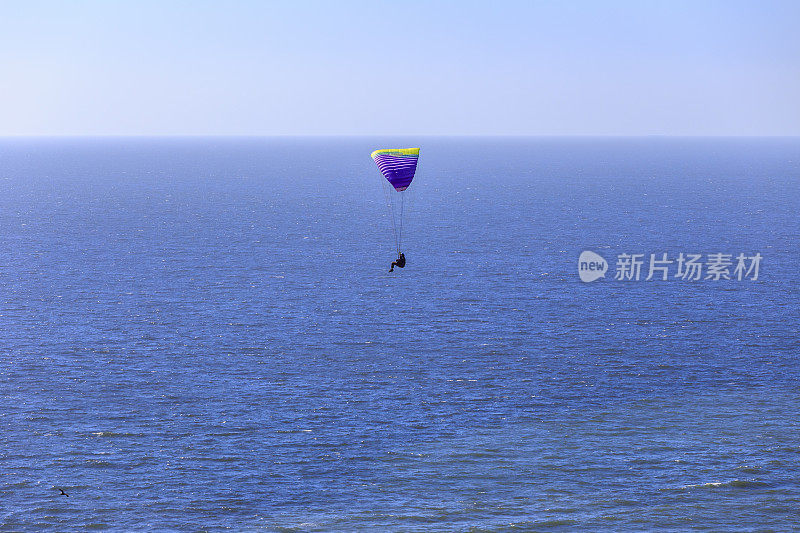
(63, 493)
(400, 263)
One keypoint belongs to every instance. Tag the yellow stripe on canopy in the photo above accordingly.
(395, 151)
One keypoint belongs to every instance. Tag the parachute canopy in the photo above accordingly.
(397, 165)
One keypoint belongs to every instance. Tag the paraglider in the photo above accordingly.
(398, 166)
(400, 263)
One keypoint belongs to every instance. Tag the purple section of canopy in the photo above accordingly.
(399, 170)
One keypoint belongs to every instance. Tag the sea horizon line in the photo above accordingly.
(391, 136)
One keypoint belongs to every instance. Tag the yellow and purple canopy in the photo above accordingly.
(397, 165)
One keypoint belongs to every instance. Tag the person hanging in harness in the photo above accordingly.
(400, 263)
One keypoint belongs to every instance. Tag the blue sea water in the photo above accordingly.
(203, 335)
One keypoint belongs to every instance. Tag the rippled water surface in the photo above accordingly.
(203, 334)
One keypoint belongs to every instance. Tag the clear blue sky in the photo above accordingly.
(297, 67)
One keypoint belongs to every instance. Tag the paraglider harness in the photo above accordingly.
(401, 262)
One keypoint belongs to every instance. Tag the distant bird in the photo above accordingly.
(63, 493)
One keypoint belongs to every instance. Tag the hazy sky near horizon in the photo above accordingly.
(300, 67)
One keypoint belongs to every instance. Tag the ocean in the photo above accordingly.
(201, 334)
